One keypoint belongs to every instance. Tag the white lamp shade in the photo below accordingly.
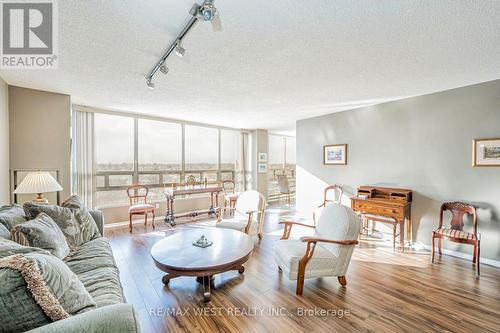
(38, 182)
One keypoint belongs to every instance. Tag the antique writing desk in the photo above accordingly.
(173, 192)
(386, 202)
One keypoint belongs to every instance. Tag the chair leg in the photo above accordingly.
(145, 219)
(342, 280)
(153, 219)
(432, 250)
(300, 280)
(259, 235)
(439, 246)
(130, 222)
(474, 252)
(478, 249)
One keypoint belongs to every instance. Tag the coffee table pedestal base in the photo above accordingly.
(206, 281)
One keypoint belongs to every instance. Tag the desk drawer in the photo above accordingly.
(370, 208)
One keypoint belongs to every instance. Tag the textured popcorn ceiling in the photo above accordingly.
(276, 61)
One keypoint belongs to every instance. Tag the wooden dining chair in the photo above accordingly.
(230, 196)
(332, 194)
(138, 205)
(455, 232)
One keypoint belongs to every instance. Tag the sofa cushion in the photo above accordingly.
(11, 215)
(95, 266)
(41, 232)
(72, 217)
(4, 232)
(38, 288)
(92, 255)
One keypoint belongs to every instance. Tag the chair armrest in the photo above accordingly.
(290, 223)
(340, 242)
(99, 220)
(117, 318)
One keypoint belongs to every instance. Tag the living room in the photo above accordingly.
(250, 166)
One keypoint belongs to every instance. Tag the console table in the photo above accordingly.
(172, 193)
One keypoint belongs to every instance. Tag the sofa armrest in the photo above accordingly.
(117, 318)
(99, 220)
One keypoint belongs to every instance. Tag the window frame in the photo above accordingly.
(135, 173)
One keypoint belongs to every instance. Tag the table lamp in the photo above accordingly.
(38, 182)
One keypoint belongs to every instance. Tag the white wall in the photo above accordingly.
(4, 143)
(422, 143)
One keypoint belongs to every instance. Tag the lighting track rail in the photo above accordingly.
(206, 12)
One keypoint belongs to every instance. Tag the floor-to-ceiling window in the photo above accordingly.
(281, 162)
(157, 153)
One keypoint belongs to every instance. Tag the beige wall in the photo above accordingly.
(260, 144)
(4, 143)
(40, 132)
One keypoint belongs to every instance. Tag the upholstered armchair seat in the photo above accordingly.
(247, 215)
(238, 223)
(289, 252)
(327, 253)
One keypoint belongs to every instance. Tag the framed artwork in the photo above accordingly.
(262, 168)
(486, 152)
(262, 157)
(335, 154)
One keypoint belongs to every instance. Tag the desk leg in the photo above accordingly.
(169, 214)
(408, 231)
(402, 235)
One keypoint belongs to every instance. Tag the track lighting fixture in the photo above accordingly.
(206, 12)
(179, 50)
(164, 69)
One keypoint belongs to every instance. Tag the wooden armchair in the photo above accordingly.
(455, 232)
(333, 194)
(138, 205)
(326, 254)
(230, 196)
(248, 214)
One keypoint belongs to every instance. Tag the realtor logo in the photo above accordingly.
(29, 34)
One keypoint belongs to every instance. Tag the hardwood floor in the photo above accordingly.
(386, 291)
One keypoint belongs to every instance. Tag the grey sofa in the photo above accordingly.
(94, 265)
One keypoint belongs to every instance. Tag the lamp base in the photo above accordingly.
(40, 200)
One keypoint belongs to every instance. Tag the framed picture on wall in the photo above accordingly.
(262, 157)
(262, 167)
(486, 152)
(335, 154)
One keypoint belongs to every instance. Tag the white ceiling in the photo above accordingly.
(275, 62)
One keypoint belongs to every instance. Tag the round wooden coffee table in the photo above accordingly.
(177, 256)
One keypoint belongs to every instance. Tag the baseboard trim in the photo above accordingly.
(461, 255)
(125, 223)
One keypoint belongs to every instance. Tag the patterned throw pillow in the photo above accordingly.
(72, 217)
(41, 232)
(38, 288)
(11, 215)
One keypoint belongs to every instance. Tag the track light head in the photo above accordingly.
(164, 69)
(150, 84)
(208, 11)
(179, 50)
